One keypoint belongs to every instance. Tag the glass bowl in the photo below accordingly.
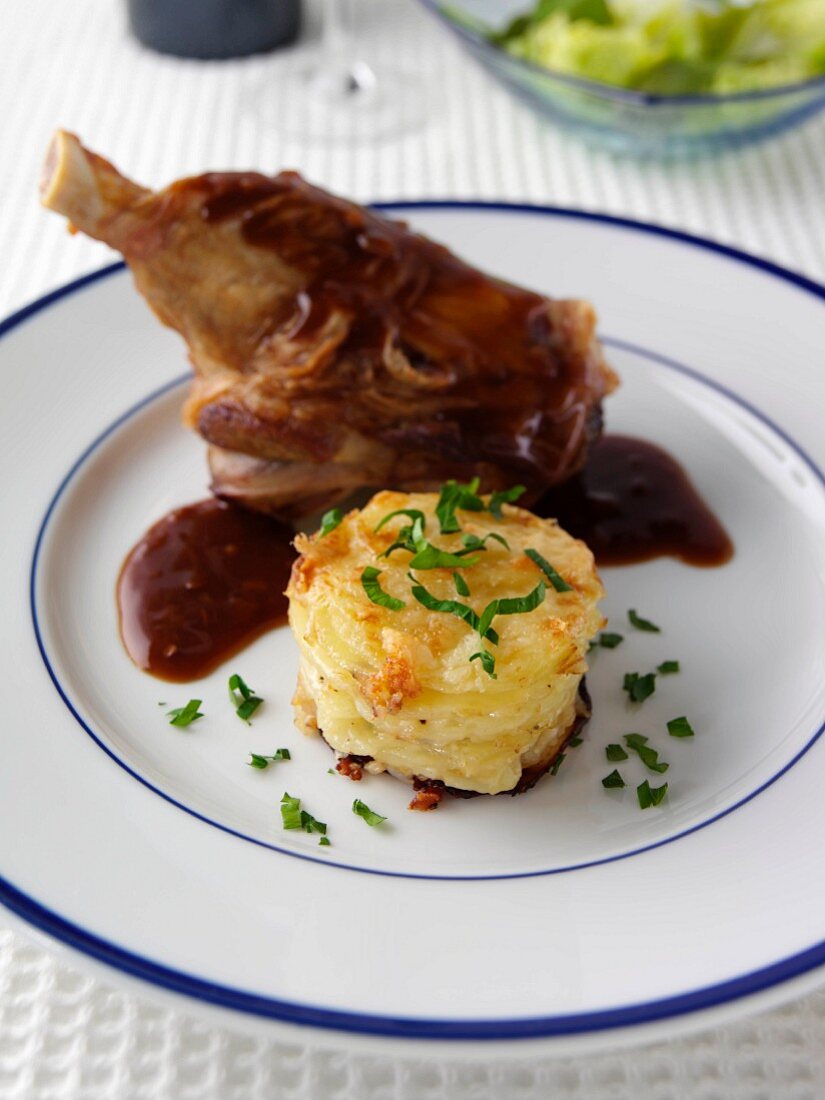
(628, 121)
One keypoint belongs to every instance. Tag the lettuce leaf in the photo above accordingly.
(673, 47)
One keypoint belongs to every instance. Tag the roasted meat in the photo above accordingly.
(333, 348)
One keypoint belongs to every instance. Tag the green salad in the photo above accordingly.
(674, 48)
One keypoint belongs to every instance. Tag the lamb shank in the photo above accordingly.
(334, 349)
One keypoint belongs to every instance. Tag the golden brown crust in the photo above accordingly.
(387, 689)
(399, 685)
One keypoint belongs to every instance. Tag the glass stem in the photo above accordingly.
(336, 34)
(341, 75)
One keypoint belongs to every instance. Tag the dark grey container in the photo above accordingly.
(214, 29)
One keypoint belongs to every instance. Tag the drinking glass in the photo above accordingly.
(330, 92)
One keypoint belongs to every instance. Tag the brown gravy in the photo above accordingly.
(633, 502)
(201, 584)
(208, 579)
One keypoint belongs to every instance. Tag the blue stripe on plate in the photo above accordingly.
(309, 1015)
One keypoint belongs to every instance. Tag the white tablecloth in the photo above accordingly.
(64, 1034)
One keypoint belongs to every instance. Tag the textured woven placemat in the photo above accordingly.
(64, 1034)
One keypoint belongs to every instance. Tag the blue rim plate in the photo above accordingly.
(458, 223)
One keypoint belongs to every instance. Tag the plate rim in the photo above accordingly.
(62, 690)
(400, 1027)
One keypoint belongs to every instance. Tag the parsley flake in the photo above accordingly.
(410, 537)
(643, 624)
(488, 662)
(639, 687)
(450, 607)
(461, 586)
(185, 716)
(243, 698)
(262, 762)
(680, 727)
(425, 554)
(362, 810)
(667, 667)
(330, 520)
(504, 496)
(248, 708)
(412, 513)
(650, 796)
(613, 780)
(557, 581)
(574, 742)
(293, 817)
(473, 542)
(432, 557)
(452, 497)
(557, 763)
(615, 752)
(373, 589)
(324, 842)
(648, 756)
(513, 605)
(609, 641)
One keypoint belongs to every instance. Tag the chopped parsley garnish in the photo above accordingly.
(504, 496)
(330, 520)
(680, 727)
(482, 624)
(291, 811)
(373, 589)
(408, 537)
(613, 780)
(426, 555)
(450, 607)
(643, 624)
(488, 662)
(557, 763)
(639, 687)
(361, 809)
(261, 762)
(514, 605)
(411, 537)
(461, 586)
(557, 581)
(414, 514)
(293, 817)
(666, 667)
(245, 702)
(614, 753)
(648, 756)
(650, 796)
(473, 542)
(185, 716)
(324, 842)
(454, 496)
(431, 557)
(609, 641)
(248, 708)
(574, 742)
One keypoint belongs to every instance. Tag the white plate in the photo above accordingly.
(563, 912)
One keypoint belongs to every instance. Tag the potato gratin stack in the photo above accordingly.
(443, 639)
